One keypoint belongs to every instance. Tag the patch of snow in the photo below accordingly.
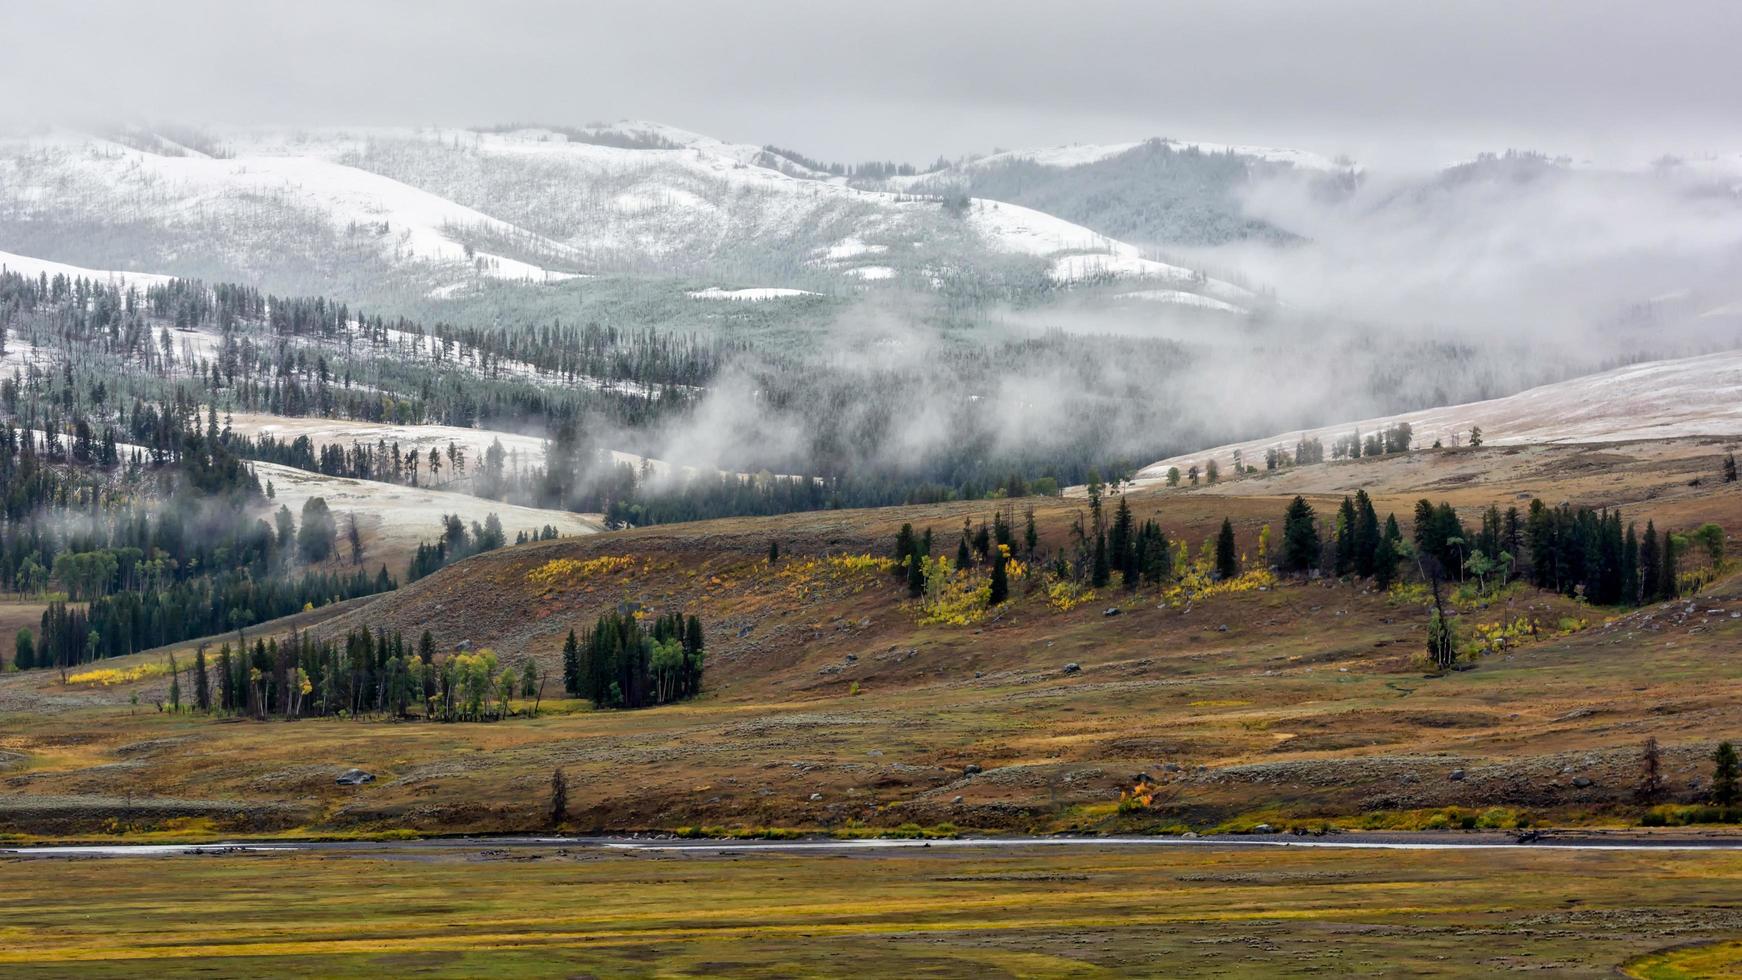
(753, 295)
(872, 272)
(1691, 396)
(852, 247)
(25, 265)
(1181, 298)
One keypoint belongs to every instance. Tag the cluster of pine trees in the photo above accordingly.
(1577, 551)
(621, 664)
(367, 673)
(1141, 554)
(127, 622)
(1580, 551)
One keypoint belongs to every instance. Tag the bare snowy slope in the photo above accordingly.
(438, 209)
(28, 266)
(1691, 396)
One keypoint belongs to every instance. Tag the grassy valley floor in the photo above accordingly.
(1207, 911)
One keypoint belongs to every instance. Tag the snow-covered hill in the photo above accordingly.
(443, 209)
(1691, 396)
(29, 266)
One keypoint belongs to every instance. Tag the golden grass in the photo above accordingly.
(1027, 911)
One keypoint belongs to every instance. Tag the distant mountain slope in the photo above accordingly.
(1691, 396)
(356, 213)
(29, 266)
(1156, 191)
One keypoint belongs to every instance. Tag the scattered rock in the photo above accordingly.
(1110, 611)
(1222, 628)
(1456, 776)
(816, 797)
(354, 777)
(1072, 668)
(1582, 781)
(972, 769)
(1264, 828)
(957, 801)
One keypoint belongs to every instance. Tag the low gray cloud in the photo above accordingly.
(1379, 79)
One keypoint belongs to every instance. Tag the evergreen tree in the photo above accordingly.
(773, 552)
(1345, 537)
(1724, 774)
(1300, 537)
(1650, 565)
(202, 684)
(904, 543)
(571, 666)
(1227, 559)
(1000, 581)
(1630, 567)
(1384, 563)
(1366, 534)
(24, 650)
(1667, 586)
(1100, 573)
(1030, 536)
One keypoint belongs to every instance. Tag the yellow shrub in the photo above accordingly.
(110, 676)
(1197, 584)
(567, 570)
(952, 598)
(1066, 595)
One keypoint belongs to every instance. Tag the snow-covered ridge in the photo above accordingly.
(754, 294)
(1691, 396)
(1083, 154)
(25, 265)
(534, 205)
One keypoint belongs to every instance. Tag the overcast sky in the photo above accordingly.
(1384, 80)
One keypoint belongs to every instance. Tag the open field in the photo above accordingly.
(939, 912)
(393, 519)
(1657, 400)
(830, 706)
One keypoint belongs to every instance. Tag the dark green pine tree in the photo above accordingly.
(1650, 565)
(904, 543)
(202, 684)
(963, 558)
(1100, 574)
(1385, 563)
(1630, 567)
(1030, 536)
(1300, 537)
(1346, 537)
(571, 666)
(1000, 581)
(1227, 558)
(1667, 587)
(915, 574)
(1366, 534)
(1120, 535)
(1724, 774)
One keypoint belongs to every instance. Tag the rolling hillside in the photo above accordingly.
(1693, 396)
(444, 210)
